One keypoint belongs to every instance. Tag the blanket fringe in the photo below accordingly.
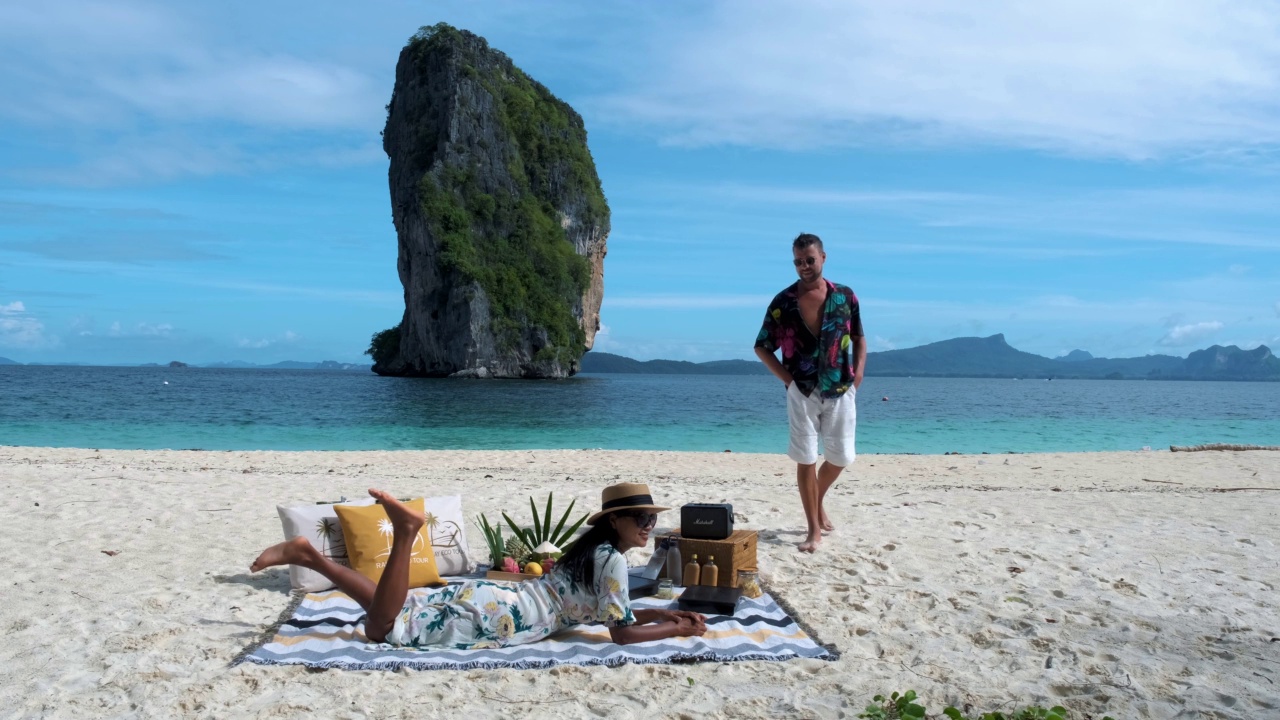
(271, 630)
(393, 665)
(833, 653)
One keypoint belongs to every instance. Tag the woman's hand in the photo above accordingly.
(687, 627)
(693, 616)
(675, 615)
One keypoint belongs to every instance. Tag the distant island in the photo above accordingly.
(993, 357)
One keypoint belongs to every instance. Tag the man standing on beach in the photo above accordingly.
(816, 324)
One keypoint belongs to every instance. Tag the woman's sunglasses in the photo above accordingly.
(643, 520)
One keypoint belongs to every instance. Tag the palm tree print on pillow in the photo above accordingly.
(328, 530)
(388, 531)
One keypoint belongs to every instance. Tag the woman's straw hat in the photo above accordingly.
(625, 496)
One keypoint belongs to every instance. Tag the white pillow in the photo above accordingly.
(446, 527)
(318, 524)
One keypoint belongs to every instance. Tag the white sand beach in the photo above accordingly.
(1119, 583)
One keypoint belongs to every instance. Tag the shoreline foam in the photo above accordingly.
(1123, 583)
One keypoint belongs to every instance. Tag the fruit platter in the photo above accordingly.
(530, 552)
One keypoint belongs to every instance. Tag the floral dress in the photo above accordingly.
(484, 614)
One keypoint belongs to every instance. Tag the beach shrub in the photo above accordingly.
(904, 706)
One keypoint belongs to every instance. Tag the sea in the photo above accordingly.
(248, 409)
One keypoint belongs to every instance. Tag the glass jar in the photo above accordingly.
(749, 583)
(666, 591)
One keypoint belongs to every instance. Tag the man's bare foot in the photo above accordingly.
(402, 518)
(827, 525)
(289, 552)
(810, 544)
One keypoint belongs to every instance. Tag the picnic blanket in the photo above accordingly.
(326, 630)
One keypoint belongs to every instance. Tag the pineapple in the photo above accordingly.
(517, 549)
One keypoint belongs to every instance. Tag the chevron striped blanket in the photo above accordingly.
(326, 630)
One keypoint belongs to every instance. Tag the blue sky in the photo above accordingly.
(204, 181)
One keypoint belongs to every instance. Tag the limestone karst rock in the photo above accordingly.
(500, 216)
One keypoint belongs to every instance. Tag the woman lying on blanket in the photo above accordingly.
(587, 585)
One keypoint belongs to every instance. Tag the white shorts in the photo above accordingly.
(832, 419)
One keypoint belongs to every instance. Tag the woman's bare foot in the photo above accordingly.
(827, 525)
(811, 543)
(402, 518)
(290, 552)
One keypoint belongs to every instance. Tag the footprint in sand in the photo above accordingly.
(1125, 587)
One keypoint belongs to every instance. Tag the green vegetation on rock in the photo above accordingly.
(384, 345)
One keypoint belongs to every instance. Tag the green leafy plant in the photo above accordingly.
(903, 706)
(894, 707)
(493, 539)
(542, 531)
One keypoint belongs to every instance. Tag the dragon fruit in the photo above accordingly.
(510, 565)
(547, 564)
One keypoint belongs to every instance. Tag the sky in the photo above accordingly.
(204, 181)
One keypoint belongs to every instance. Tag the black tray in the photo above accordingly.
(710, 600)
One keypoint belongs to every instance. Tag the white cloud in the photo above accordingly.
(689, 302)
(1136, 79)
(288, 338)
(18, 329)
(139, 92)
(879, 344)
(142, 329)
(113, 58)
(1182, 335)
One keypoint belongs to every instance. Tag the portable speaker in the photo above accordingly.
(706, 521)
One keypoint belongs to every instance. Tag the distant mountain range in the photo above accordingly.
(993, 357)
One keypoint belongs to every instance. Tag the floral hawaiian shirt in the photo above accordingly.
(826, 363)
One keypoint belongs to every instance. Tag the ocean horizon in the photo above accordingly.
(246, 409)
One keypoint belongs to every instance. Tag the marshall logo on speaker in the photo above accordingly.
(706, 521)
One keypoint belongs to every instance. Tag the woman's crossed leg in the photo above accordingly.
(382, 602)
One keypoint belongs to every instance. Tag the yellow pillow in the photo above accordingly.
(367, 532)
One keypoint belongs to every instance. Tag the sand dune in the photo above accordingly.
(1123, 583)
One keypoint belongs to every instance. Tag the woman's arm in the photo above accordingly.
(657, 629)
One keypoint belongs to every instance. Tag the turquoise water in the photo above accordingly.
(152, 408)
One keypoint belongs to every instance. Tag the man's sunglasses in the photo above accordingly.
(810, 261)
(643, 520)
